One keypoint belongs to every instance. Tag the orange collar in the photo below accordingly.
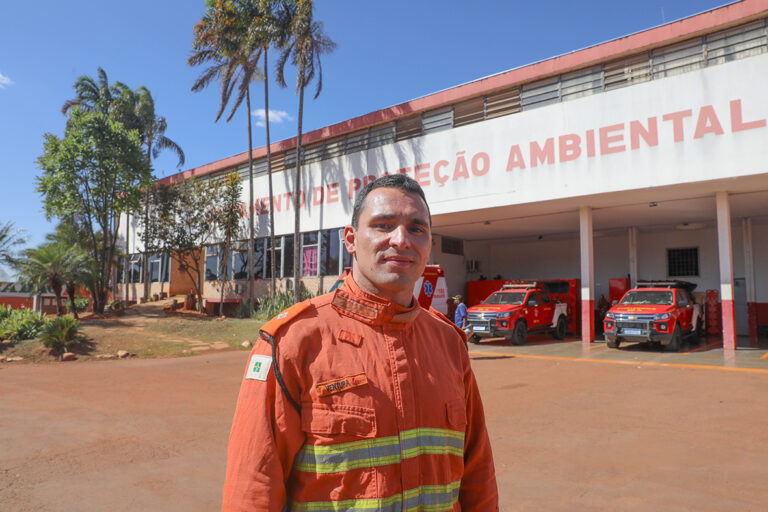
(350, 300)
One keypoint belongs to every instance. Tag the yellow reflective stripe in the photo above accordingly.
(427, 431)
(425, 498)
(353, 445)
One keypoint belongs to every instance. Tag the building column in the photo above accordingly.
(725, 254)
(749, 279)
(587, 275)
(633, 256)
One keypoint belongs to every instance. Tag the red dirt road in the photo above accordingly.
(568, 436)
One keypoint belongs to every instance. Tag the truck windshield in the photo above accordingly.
(648, 297)
(505, 298)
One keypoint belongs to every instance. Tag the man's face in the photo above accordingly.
(391, 244)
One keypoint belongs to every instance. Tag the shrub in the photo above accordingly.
(116, 307)
(60, 332)
(242, 310)
(20, 324)
(81, 304)
(270, 305)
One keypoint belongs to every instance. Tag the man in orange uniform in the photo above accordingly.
(360, 400)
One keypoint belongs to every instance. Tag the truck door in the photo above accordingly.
(547, 309)
(532, 310)
(685, 309)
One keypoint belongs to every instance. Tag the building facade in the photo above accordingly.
(642, 157)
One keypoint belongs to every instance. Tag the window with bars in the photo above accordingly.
(580, 83)
(452, 246)
(683, 262)
(736, 43)
(627, 71)
(502, 103)
(381, 135)
(356, 142)
(540, 93)
(678, 58)
(313, 153)
(470, 111)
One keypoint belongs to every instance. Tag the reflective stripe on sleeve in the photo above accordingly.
(426, 498)
(378, 452)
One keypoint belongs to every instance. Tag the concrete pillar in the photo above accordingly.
(725, 254)
(587, 275)
(633, 256)
(749, 278)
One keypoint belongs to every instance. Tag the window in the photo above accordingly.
(331, 247)
(544, 297)
(540, 93)
(239, 267)
(682, 298)
(283, 257)
(278, 257)
(533, 299)
(134, 269)
(437, 120)
(452, 246)
(683, 262)
(309, 254)
(212, 263)
(408, 127)
(155, 265)
(259, 249)
(120, 270)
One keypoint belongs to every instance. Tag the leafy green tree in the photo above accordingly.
(228, 215)
(95, 172)
(9, 238)
(303, 44)
(50, 266)
(92, 95)
(184, 221)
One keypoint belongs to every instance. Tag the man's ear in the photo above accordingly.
(350, 239)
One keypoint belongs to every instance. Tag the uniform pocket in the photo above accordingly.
(456, 412)
(336, 419)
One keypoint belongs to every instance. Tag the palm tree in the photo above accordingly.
(8, 240)
(222, 42)
(304, 43)
(92, 95)
(51, 266)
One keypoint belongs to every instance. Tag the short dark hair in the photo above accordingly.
(399, 181)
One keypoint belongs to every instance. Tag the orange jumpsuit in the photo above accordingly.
(390, 415)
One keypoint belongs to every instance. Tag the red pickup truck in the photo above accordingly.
(514, 311)
(659, 312)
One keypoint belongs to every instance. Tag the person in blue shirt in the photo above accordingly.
(460, 317)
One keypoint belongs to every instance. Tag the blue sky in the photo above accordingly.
(388, 53)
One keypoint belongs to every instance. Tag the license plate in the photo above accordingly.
(479, 328)
(633, 332)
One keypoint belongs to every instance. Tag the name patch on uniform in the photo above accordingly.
(338, 385)
(258, 368)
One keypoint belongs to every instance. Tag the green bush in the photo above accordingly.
(270, 305)
(242, 310)
(60, 332)
(20, 324)
(81, 304)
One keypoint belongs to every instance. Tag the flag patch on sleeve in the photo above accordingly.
(258, 368)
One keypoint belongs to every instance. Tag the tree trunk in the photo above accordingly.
(249, 288)
(297, 208)
(126, 259)
(272, 262)
(145, 264)
(59, 307)
(224, 279)
(71, 294)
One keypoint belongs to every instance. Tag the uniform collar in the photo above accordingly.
(350, 300)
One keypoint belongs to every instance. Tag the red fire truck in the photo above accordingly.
(514, 311)
(659, 312)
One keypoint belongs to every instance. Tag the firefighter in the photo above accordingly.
(361, 399)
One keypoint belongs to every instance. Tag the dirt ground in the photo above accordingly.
(151, 434)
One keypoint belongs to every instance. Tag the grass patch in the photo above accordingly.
(231, 330)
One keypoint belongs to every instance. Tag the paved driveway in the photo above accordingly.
(568, 434)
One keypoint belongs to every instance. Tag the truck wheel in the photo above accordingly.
(612, 344)
(518, 335)
(475, 339)
(674, 343)
(561, 329)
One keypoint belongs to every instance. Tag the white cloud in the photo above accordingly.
(4, 80)
(275, 116)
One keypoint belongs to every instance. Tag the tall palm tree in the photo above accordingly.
(51, 266)
(221, 42)
(303, 44)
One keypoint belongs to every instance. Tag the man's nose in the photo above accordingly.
(399, 236)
